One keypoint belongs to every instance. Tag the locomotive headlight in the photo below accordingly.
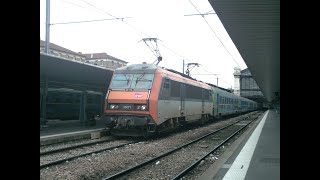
(113, 106)
(143, 107)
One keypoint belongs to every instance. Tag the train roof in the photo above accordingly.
(138, 67)
(219, 87)
(151, 68)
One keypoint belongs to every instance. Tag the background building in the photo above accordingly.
(246, 86)
(62, 52)
(104, 60)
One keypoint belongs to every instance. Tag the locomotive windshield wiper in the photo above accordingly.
(127, 78)
(140, 77)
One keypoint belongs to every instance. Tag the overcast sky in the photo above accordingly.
(181, 37)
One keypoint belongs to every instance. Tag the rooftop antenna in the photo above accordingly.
(154, 48)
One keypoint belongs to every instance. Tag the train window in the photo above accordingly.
(66, 98)
(193, 92)
(50, 98)
(175, 89)
(206, 94)
(96, 98)
(121, 81)
(142, 81)
(134, 81)
(166, 83)
(77, 98)
(89, 100)
(59, 98)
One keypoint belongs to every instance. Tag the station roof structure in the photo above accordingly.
(254, 27)
(74, 73)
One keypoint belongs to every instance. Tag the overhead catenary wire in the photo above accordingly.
(209, 11)
(215, 33)
(78, 5)
(146, 35)
(95, 20)
(103, 11)
(199, 14)
(84, 7)
(139, 31)
(214, 75)
(97, 8)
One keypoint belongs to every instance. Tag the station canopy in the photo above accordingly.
(254, 27)
(65, 73)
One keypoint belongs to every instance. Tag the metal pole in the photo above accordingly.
(47, 26)
(183, 68)
(217, 81)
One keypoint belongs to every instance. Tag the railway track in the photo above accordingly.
(73, 147)
(181, 172)
(63, 160)
(81, 155)
(197, 162)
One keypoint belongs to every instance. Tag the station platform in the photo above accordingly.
(254, 155)
(60, 131)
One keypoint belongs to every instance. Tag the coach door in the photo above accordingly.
(182, 99)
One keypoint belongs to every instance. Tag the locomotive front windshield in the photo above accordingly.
(132, 81)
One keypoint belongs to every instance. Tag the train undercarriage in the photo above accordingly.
(129, 125)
